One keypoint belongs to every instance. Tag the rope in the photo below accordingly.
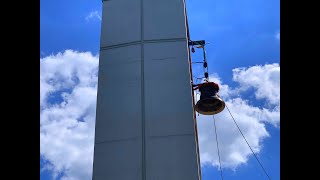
(248, 144)
(215, 130)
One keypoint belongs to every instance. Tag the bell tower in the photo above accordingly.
(145, 126)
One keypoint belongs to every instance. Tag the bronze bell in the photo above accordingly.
(210, 103)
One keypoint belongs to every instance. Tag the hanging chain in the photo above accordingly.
(205, 65)
(201, 44)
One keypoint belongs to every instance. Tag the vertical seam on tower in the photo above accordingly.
(142, 96)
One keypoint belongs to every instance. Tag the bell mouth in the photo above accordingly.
(210, 106)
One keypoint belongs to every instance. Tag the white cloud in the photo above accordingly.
(67, 126)
(67, 122)
(93, 15)
(265, 79)
(233, 149)
(66, 70)
(251, 120)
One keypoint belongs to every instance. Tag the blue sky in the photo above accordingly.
(244, 43)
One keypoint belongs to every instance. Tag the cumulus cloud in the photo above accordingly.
(94, 15)
(68, 83)
(233, 149)
(264, 79)
(251, 120)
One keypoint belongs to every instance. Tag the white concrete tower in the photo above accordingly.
(145, 127)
